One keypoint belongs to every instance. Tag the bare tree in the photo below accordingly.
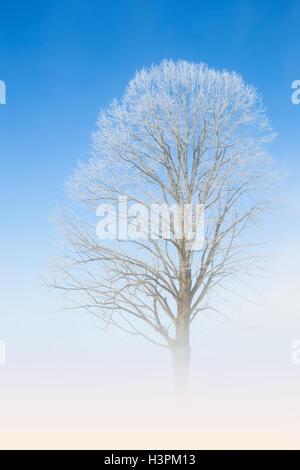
(182, 134)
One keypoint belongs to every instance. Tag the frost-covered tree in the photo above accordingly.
(182, 134)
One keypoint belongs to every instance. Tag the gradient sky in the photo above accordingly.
(64, 60)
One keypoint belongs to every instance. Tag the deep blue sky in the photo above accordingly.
(64, 60)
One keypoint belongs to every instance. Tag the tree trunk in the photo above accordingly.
(181, 356)
(181, 347)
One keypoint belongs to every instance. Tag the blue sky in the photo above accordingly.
(64, 60)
